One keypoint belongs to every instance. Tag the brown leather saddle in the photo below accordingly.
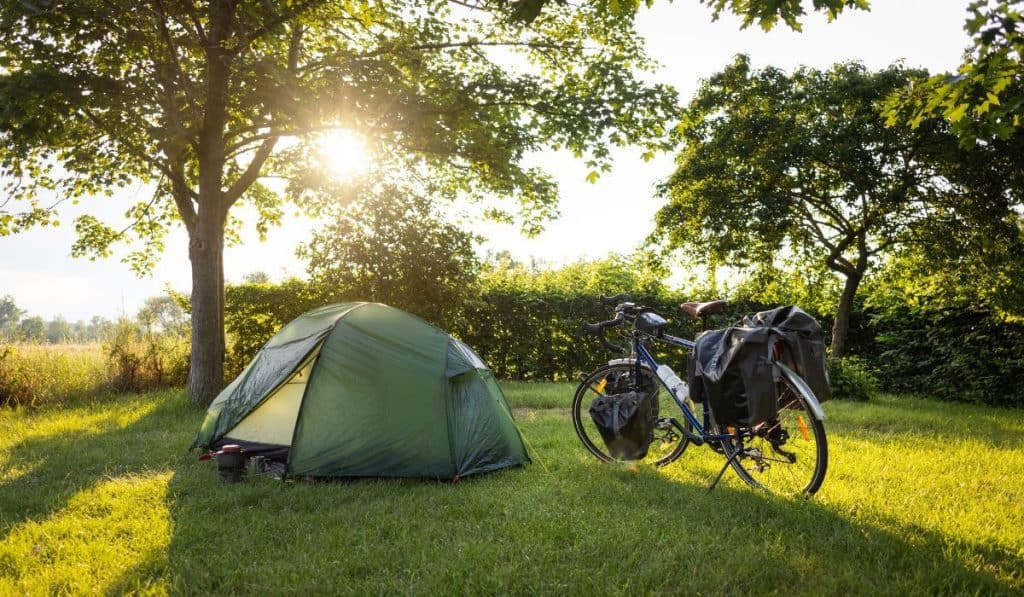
(700, 310)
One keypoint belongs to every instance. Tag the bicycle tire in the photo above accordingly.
(764, 466)
(669, 441)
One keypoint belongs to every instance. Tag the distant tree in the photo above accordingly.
(258, 277)
(32, 329)
(10, 315)
(195, 98)
(805, 165)
(392, 246)
(58, 330)
(162, 315)
(99, 328)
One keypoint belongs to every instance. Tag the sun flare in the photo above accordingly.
(342, 153)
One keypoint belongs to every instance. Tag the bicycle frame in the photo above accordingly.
(641, 356)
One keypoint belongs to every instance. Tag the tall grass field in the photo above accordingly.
(921, 498)
(35, 374)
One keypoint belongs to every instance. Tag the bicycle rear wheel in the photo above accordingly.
(668, 442)
(788, 456)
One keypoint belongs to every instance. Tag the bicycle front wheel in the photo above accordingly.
(788, 456)
(668, 440)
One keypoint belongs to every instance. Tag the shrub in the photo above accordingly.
(140, 359)
(851, 378)
(958, 354)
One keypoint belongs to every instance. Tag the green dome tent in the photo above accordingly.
(367, 390)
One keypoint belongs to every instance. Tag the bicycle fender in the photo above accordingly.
(799, 382)
(628, 361)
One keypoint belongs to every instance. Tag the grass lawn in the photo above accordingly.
(921, 498)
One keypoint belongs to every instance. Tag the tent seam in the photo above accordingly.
(305, 391)
(448, 407)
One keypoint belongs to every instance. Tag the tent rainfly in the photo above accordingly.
(367, 390)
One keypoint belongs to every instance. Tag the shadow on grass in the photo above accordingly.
(128, 437)
(565, 524)
(582, 528)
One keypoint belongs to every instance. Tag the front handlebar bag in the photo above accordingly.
(626, 422)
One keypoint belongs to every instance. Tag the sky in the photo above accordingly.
(37, 270)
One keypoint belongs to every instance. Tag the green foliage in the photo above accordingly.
(36, 375)
(10, 315)
(984, 100)
(804, 165)
(526, 322)
(807, 284)
(101, 94)
(139, 358)
(101, 497)
(851, 378)
(987, 271)
(32, 329)
(254, 312)
(393, 246)
(766, 13)
(965, 354)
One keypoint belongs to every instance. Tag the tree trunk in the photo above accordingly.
(206, 251)
(206, 241)
(841, 327)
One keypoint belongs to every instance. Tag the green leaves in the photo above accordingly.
(985, 99)
(393, 246)
(765, 13)
(96, 95)
(777, 165)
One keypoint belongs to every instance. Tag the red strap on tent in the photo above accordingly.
(455, 479)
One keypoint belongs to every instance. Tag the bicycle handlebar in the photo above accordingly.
(597, 329)
(614, 300)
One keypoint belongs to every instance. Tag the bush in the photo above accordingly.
(957, 354)
(255, 311)
(140, 360)
(34, 375)
(851, 378)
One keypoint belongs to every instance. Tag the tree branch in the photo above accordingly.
(269, 26)
(251, 173)
(138, 152)
(196, 22)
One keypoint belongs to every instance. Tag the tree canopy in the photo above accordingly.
(765, 13)
(394, 246)
(803, 164)
(217, 104)
(984, 99)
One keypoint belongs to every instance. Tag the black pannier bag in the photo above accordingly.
(625, 417)
(732, 370)
(803, 342)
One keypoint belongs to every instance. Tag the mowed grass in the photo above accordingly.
(102, 497)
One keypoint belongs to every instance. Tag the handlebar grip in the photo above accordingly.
(614, 300)
(597, 328)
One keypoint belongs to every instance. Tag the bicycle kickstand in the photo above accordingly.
(728, 461)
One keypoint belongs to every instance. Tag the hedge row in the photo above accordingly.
(963, 354)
